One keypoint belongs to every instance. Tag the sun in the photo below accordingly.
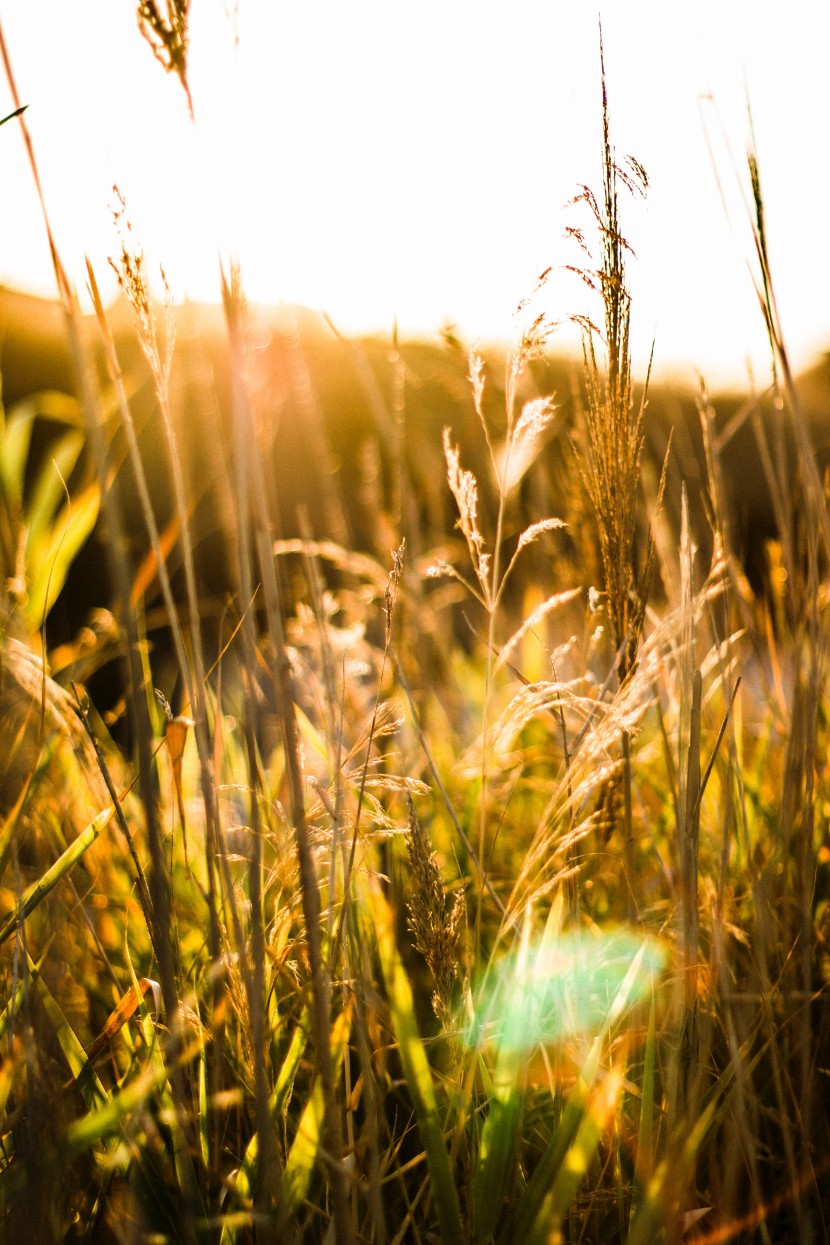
(410, 165)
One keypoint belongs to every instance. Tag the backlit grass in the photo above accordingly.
(466, 885)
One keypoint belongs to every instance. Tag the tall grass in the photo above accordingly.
(525, 943)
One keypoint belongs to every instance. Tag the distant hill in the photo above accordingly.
(353, 431)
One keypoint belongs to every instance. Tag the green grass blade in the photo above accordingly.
(644, 1164)
(48, 494)
(660, 1201)
(546, 1170)
(41, 888)
(57, 552)
(303, 1153)
(12, 1007)
(560, 1172)
(499, 1137)
(497, 1153)
(110, 1119)
(246, 1176)
(17, 113)
(14, 451)
(290, 1064)
(82, 1071)
(204, 1112)
(183, 1154)
(531, 1206)
(560, 1198)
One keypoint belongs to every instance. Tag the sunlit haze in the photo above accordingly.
(411, 162)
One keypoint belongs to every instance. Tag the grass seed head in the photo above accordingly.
(433, 919)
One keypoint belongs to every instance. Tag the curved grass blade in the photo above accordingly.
(58, 549)
(126, 1008)
(41, 888)
(49, 490)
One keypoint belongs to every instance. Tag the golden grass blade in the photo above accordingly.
(204, 1113)
(9, 1071)
(660, 1205)
(49, 489)
(60, 547)
(530, 1213)
(15, 439)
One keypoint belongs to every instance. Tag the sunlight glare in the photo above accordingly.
(412, 164)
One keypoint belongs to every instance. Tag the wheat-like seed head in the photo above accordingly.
(433, 920)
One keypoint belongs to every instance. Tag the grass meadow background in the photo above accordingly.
(415, 802)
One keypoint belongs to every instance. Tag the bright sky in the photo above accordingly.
(384, 160)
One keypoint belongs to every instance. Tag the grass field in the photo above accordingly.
(455, 866)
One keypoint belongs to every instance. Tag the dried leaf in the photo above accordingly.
(126, 1008)
(175, 735)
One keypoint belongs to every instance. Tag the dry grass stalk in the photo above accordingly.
(523, 437)
(433, 920)
(132, 279)
(613, 445)
(168, 35)
(612, 450)
(806, 535)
